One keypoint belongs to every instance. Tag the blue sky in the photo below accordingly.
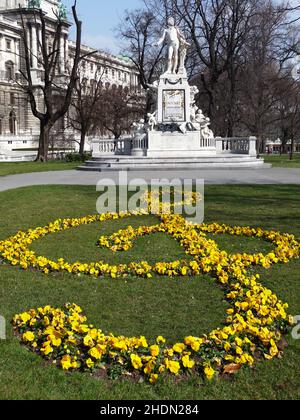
(99, 18)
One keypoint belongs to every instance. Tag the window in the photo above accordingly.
(92, 67)
(0, 126)
(113, 73)
(12, 98)
(125, 77)
(9, 142)
(24, 141)
(12, 122)
(120, 75)
(9, 69)
(8, 45)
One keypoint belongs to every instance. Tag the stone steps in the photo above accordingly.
(114, 163)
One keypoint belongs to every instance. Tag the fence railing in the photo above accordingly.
(18, 137)
(111, 147)
(237, 145)
(7, 158)
(206, 143)
(234, 145)
(140, 143)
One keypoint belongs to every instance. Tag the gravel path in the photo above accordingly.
(211, 176)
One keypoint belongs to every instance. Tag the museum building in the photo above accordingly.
(19, 129)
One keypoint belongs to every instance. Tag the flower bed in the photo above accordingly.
(255, 322)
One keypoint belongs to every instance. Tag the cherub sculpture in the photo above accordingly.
(152, 121)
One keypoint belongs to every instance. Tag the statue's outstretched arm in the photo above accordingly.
(161, 41)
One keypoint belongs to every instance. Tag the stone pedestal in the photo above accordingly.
(166, 144)
(174, 99)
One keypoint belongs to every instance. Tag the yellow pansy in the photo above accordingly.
(136, 361)
(90, 364)
(187, 362)
(209, 372)
(172, 366)
(179, 347)
(154, 350)
(66, 362)
(28, 336)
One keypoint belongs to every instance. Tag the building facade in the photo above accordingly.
(19, 129)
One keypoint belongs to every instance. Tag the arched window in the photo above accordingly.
(9, 69)
(12, 122)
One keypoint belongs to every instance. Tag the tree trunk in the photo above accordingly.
(43, 142)
(82, 144)
(292, 148)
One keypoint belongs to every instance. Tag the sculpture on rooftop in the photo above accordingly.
(62, 11)
(34, 4)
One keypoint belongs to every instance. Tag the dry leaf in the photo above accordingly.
(232, 368)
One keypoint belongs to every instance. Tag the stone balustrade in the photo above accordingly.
(6, 158)
(19, 137)
(237, 145)
(139, 146)
(207, 143)
(111, 147)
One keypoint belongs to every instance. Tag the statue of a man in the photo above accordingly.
(177, 47)
(171, 37)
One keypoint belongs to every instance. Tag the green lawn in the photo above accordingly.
(283, 161)
(171, 307)
(28, 167)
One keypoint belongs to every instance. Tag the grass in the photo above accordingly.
(283, 161)
(7, 168)
(172, 307)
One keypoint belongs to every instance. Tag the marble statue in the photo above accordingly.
(34, 4)
(177, 47)
(139, 127)
(153, 94)
(194, 93)
(152, 121)
(193, 112)
(62, 11)
(183, 46)
(206, 131)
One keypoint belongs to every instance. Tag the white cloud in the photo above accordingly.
(101, 42)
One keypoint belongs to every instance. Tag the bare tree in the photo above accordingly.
(83, 113)
(48, 56)
(138, 30)
(218, 29)
(288, 109)
(239, 54)
(118, 109)
(268, 49)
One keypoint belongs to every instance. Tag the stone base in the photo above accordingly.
(131, 163)
(170, 110)
(166, 144)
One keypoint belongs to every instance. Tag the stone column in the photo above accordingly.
(66, 50)
(252, 146)
(39, 42)
(17, 52)
(28, 36)
(219, 144)
(62, 54)
(34, 48)
(2, 64)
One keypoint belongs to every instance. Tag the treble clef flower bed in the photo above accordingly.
(255, 323)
